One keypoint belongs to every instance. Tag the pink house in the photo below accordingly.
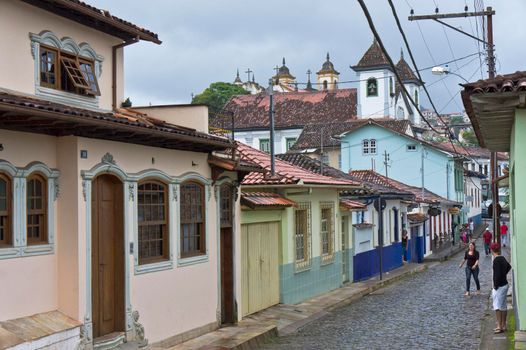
(114, 225)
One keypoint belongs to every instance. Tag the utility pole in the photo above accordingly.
(271, 118)
(490, 48)
(386, 162)
(422, 169)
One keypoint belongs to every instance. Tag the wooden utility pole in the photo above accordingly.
(490, 48)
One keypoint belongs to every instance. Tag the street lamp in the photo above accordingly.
(439, 70)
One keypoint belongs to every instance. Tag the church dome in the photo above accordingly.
(284, 73)
(328, 67)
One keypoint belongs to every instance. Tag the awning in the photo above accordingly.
(348, 204)
(255, 200)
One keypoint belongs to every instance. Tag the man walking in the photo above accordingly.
(487, 236)
(504, 234)
(501, 267)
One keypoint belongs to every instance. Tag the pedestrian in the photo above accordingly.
(471, 258)
(504, 234)
(404, 245)
(487, 236)
(501, 267)
(471, 228)
(464, 238)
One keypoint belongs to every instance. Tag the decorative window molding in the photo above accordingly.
(327, 232)
(68, 45)
(19, 177)
(302, 236)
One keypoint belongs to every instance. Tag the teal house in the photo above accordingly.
(390, 147)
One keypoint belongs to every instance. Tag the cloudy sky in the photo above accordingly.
(207, 40)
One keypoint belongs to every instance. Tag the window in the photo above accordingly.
(325, 158)
(365, 146)
(372, 146)
(193, 232)
(153, 223)
(372, 87)
(264, 145)
(416, 97)
(411, 148)
(289, 142)
(327, 228)
(36, 197)
(67, 72)
(6, 213)
(226, 205)
(391, 91)
(325, 85)
(302, 235)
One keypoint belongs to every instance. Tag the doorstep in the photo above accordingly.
(283, 319)
(48, 329)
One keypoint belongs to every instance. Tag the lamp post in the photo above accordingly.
(439, 70)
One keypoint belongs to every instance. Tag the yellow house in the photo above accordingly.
(111, 219)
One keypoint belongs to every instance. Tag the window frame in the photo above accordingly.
(43, 235)
(76, 61)
(203, 234)
(371, 80)
(410, 147)
(327, 256)
(289, 139)
(7, 240)
(261, 142)
(373, 147)
(305, 262)
(166, 242)
(365, 147)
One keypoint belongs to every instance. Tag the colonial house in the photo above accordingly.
(361, 219)
(292, 111)
(112, 219)
(496, 110)
(473, 196)
(302, 242)
(390, 147)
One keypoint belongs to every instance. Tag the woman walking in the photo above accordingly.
(471, 259)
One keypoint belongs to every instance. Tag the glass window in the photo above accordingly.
(153, 223)
(327, 229)
(365, 146)
(416, 97)
(48, 64)
(36, 197)
(89, 74)
(193, 219)
(6, 213)
(372, 146)
(264, 145)
(411, 148)
(302, 234)
(372, 87)
(391, 90)
(290, 141)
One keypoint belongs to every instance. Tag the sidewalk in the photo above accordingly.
(283, 319)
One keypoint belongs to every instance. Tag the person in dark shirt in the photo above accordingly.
(472, 267)
(404, 245)
(501, 267)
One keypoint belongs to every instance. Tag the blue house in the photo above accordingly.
(389, 147)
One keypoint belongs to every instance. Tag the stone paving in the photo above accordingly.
(424, 311)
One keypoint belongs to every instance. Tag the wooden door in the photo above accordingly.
(227, 255)
(107, 256)
(260, 266)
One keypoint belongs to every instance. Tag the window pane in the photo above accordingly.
(152, 224)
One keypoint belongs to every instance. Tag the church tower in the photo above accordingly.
(403, 107)
(285, 80)
(238, 81)
(328, 76)
(376, 84)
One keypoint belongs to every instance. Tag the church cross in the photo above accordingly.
(248, 71)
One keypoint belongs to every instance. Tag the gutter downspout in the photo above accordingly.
(114, 68)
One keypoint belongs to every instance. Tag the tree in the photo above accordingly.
(470, 138)
(217, 95)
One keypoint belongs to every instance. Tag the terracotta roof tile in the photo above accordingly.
(417, 217)
(352, 204)
(292, 109)
(286, 173)
(265, 199)
(405, 72)
(373, 57)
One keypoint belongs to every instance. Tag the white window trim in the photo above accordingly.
(66, 45)
(19, 228)
(365, 147)
(407, 148)
(371, 147)
(328, 258)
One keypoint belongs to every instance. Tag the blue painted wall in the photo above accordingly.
(298, 286)
(367, 264)
(404, 164)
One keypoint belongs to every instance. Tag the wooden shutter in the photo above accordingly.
(75, 74)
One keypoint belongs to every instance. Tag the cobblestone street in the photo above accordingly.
(424, 311)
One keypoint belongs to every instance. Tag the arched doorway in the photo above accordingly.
(107, 255)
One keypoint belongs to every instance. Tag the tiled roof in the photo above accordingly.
(95, 18)
(97, 124)
(291, 109)
(311, 134)
(468, 151)
(370, 176)
(416, 217)
(405, 72)
(265, 199)
(286, 173)
(352, 205)
(501, 83)
(373, 57)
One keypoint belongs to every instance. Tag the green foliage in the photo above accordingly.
(127, 103)
(470, 138)
(217, 95)
(457, 119)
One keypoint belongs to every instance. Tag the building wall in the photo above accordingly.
(518, 219)
(374, 106)
(252, 138)
(405, 165)
(17, 66)
(473, 199)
